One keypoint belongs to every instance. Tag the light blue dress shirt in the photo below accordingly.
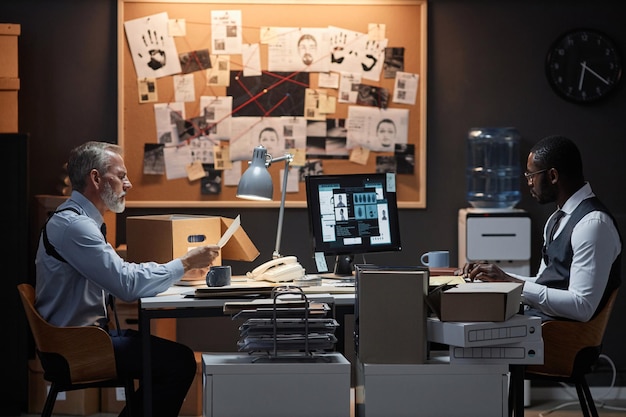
(75, 293)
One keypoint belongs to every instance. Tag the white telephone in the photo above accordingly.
(277, 270)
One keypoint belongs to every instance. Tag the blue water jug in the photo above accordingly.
(493, 170)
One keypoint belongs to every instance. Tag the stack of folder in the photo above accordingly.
(516, 341)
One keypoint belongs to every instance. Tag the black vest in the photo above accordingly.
(559, 253)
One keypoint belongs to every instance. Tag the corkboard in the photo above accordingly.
(405, 22)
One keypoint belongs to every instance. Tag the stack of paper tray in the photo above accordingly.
(279, 328)
(516, 341)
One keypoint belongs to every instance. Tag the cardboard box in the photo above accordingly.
(161, 238)
(477, 301)
(9, 33)
(8, 103)
(112, 400)
(77, 403)
(390, 314)
(192, 406)
(519, 328)
(128, 317)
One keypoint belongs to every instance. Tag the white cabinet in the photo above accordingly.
(501, 236)
(239, 384)
(437, 388)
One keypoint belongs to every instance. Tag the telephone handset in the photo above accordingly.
(277, 270)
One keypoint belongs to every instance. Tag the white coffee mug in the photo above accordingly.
(436, 259)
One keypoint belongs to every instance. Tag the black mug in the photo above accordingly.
(218, 276)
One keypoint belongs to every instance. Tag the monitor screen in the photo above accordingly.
(352, 214)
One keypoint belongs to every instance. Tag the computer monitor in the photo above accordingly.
(352, 214)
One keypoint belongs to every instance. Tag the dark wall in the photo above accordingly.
(485, 68)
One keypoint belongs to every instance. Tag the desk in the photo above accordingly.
(173, 304)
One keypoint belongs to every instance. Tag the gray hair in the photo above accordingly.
(90, 155)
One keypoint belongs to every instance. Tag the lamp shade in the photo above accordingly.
(256, 182)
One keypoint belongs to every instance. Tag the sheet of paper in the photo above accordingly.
(229, 232)
(446, 280)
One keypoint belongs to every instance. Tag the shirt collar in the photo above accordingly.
(87, 206)
(583, 193)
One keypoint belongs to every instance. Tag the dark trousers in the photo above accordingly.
(173, 370)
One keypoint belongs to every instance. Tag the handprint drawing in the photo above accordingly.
(372, 52)
(154, 43)
(338, 43)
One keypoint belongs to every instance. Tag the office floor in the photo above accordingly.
(610, 409)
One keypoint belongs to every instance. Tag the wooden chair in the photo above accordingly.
(571, 348)
(72, 357)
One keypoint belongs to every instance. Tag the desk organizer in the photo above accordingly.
(292, 328)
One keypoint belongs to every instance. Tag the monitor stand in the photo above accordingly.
(343, 265)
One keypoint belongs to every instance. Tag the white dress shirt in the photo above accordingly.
(595, 244)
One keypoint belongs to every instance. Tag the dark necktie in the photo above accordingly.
(553, 225)
(103, 229)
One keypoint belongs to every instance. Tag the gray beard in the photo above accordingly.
(115, 203)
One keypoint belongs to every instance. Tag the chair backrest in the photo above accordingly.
(566, 342)
(87, 350)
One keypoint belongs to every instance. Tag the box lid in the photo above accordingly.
(239, 246)
(10, 29)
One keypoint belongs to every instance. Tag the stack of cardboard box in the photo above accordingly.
(112, 400)
(9, 79)
(76, 403)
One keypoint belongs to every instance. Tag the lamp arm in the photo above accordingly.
(279, 230)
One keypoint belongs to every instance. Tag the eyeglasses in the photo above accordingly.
(529, 175)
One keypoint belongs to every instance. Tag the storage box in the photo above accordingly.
(240, 384)
(78, 403)
(390, 314)
(112, 400)
(8, 104)
(9, 33)
(518, 328)
(522, 353)
(161, 238)
(477, 301)
(192, 406)
(435, 388)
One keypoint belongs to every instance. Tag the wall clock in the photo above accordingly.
(583, 65)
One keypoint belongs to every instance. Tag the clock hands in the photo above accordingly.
(586, 68)
(582, 75)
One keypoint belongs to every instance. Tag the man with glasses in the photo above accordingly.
(581, 259)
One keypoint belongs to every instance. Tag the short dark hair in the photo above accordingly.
(305, 37)
(268, 129)
(382, 121)
(559, 152)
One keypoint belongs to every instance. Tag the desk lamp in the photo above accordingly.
(256, 184)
